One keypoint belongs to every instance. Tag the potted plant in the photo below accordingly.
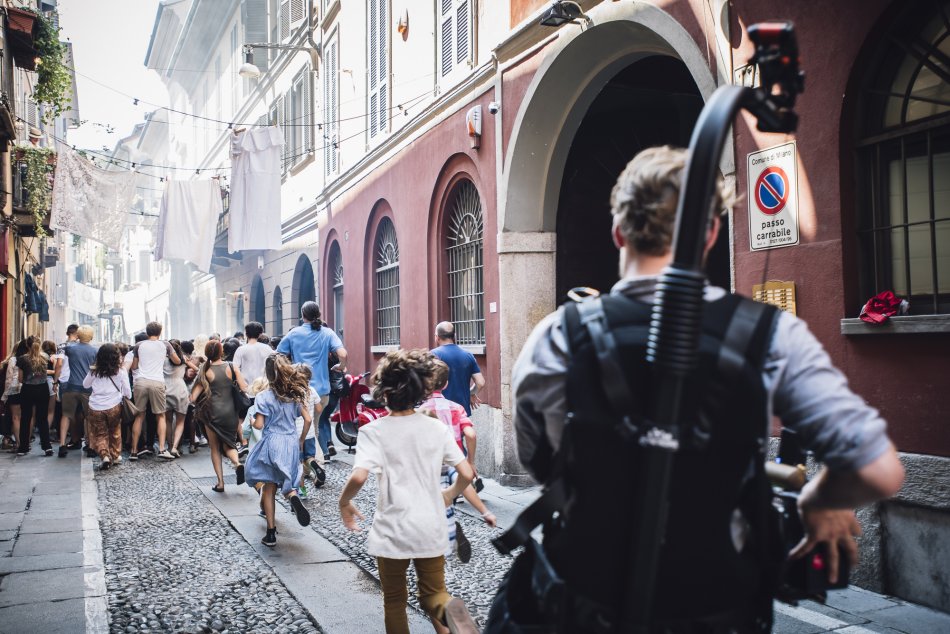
(54, 83)
(38, 182)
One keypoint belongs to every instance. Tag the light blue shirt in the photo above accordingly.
(313, 347)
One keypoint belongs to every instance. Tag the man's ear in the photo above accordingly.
(619, 241)
(712, 233)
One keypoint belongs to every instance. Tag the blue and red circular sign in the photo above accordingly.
(771, 190)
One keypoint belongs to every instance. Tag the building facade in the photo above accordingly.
(395, 217)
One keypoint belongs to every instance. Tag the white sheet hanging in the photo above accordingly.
(188, 221)
(89, 201)
(255, 189)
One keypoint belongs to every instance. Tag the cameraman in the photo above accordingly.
(794, 380)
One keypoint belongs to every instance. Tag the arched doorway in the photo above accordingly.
(304, 288)
(258, 301)
(654, 101)
(278, 309)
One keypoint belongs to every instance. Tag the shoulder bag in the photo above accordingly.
(129, 410)
(242, 402)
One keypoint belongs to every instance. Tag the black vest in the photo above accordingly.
(718, 469)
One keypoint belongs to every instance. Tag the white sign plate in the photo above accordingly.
(773, 197)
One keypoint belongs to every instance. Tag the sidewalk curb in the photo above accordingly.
(96, 603)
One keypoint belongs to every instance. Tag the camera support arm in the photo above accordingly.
(676, 320)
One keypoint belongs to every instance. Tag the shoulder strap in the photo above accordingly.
(233, 377)
(115, 386)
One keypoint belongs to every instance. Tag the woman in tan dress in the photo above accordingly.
(214, 398)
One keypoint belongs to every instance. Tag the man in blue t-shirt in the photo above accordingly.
(312, 343)
(465, 377)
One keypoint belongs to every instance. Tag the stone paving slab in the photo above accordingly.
(911, 619)
(64, 617)
(40, 562)
(56, 502)
(11, 521)
(46, 586)
(858, 600)
(50, 543)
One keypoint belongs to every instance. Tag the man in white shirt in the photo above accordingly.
(250, 357)
(149, 388)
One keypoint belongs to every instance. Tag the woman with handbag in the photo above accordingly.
(176, 396)
(110, 386)
(214, 395)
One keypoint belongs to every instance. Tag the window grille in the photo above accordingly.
(904, 209)
(465, 264)
(387, 284)
(336, 269)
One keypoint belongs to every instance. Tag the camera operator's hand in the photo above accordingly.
(835, 527)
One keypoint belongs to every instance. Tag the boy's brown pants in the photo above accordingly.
(432, 593)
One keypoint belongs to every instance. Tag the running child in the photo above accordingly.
(274, 461)
(406, 451)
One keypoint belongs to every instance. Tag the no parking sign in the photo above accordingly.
(773, 197)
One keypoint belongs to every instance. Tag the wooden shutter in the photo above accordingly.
(331, 107)
(284, 20)
(462, 32)
(254, 19)
(447, 29)
(297, 13)
(378, 66)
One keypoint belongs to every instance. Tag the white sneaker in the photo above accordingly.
(165, 455)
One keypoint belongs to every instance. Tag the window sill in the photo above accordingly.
(907, 324)
(382, 349)
(478, 351)
(302, 163)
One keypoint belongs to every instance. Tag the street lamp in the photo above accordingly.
(562, 12)
(249, 70)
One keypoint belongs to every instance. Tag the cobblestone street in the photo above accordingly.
(173, 563)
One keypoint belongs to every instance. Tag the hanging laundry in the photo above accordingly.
(89, 201)
(255, 189)
(187, 222)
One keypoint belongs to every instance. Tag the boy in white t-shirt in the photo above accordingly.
(406, 451)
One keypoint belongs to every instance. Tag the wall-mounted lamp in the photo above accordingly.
(562, 12)
(248, 69)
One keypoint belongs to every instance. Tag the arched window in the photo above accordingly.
(304, 288)
(463, 250)
(257, 301)
(386, 254)
(904, 158)
(278, 311)
(335, 273)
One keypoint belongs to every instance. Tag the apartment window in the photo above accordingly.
(336, 287)
(299, 120)
(378, 39)
(455, 37)
(463, 233)
(903, 160)
(331, 108)
(292, 13)
(254, 17)
(387, 284)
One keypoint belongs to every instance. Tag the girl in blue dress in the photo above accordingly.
(274, 462)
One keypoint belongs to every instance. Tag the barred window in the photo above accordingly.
(904, 156)
(464, 228)
(336, 285)
(387, 284)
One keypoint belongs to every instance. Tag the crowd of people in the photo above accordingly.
(264, 403)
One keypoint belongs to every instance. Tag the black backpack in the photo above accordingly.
(575, 581)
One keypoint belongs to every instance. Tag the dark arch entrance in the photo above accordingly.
(654, 101)
(304, 289)
(278, 311)
(258, 301)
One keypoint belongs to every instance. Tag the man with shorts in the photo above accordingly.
(75, 398)
(149, 388)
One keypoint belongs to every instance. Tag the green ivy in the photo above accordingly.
(54, 86)
(39, 184)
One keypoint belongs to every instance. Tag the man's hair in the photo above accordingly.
(84, 333)
(445, 330)
(153, 329)
(643, 202)
(71, 329)
(237, 335)
(140, 337)
(253, 329)
(310, 312)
